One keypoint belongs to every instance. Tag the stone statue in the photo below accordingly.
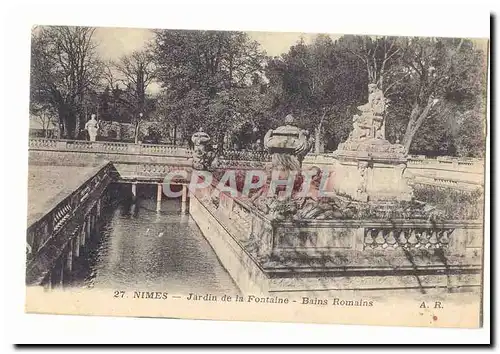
(367, 158)
(92, 126)
(203, 154)
(370, 124)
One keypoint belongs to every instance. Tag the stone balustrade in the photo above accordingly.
(325, 237)
(446, 163)
(47, 230)
(244, 155)
(108, 147)
(459, 173)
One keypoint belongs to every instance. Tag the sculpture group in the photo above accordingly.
(370, 124)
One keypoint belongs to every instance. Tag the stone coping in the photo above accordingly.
(370, 261)
(53, 202)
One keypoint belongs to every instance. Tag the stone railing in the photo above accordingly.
(148, 171)
(325, 237)
(450, 182)
(244, 155)
(108, 147)
(414, 161)
(265, 238)
(457, 173)
(407, 237)
(446, 163)
(41, 228)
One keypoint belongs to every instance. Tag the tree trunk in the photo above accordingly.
(417, 117)
(318, 136)
(60, 124)
(77, 125)
(318, 140)
(136, 139)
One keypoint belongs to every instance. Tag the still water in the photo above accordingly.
(138, 248)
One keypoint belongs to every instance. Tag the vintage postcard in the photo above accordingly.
(257, 176)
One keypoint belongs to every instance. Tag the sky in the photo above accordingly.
(115, 42)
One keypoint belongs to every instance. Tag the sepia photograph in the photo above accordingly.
(257, 176)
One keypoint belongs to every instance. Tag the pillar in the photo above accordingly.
(76, 244)
(83, 235)
(93, 219)
(184, 199)
(69, 257)
(98, 208)
(134, 190)
(61, 272)
(48, 282)
(158, 197)
(89, 226)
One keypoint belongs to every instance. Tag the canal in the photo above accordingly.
(138, 248)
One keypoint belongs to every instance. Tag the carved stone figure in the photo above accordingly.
(202, 152)
(370, 124)
(92, 127)
(362, 168)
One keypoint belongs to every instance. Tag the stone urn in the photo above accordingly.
(288, 145)
(202, 152)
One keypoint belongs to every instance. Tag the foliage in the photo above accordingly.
(64, 68)
(207, 78)
(318, 84)
(224, 82)
(455, 204)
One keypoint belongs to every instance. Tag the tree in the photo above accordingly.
(202, 73)
(64, 68)
(318, 83)
(441, 74)
(136, 72)
(378, 54)
(43, 114)
(424, 78)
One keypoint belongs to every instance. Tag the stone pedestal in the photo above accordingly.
(371, 170)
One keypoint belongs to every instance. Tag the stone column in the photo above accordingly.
(76, 244)
(134, 190)
(69, 257)
(48, 283)
(98, 207)
(61, 275)
(158, 197)
(184, 199)
(359, 239)
(89, 227)
(59, 271)
(83, 235)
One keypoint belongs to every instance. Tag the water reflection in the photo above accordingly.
(141, 249)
